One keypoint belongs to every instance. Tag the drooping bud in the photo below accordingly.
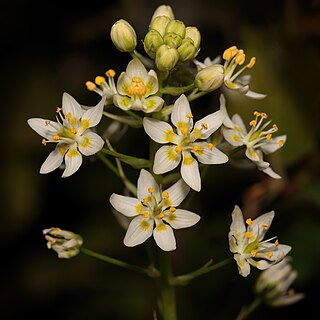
(177, 27)
(163, 10)
(166, 58)
(152, 41)
(172, 40)
(187, 50)
(123, 36)
(194, 34)
(160, 24)
(66, 243)
(210, 78)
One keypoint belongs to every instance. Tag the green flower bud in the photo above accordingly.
(210, 78)
(187, 50)
(163, 10)
(194, 34)
(160, 24)
(166, 58)
(177, 27)
(123, 36)
(172, 40)
(152, 41)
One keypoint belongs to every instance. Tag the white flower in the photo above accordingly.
(258, 141)
(66, 243)
(72, 134)
(273, 285)
(154, 212)
(233, 79)
(247, 245)
(136, 88)
(183, 142)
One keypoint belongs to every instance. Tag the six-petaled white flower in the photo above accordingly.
(154, 212)
(183, 143)
(258, 141)
(245, 241)
(72, 134)
(137, 88)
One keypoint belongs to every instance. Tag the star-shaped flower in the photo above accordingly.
(245, 241)
(154, 212)
(137, 88)
(72, 134)
(183, 143)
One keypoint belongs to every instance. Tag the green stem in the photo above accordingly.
(184, 279)
(194, 96)
(167, 290)
(108, 163)
(246, 311)
(151, 271)
(176, 91)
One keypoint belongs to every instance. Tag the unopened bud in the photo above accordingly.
(160, 24)
(194, 34)
(172, 40)
(163, 10)
(210, 78)
(152, 41)
(166, 58)
(123, 36)
(177, 27)
(187, 50)
(66, 243)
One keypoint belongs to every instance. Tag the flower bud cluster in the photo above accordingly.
(169, 41)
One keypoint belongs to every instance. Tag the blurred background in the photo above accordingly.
(55, 47)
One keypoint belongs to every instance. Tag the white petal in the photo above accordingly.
(255, 95)
(123, 81)
(166, 159)
(178, 192)
(227, 121)
(70, 105)
(286, 300)
(94, 114)
(237, 224)
(180, 109)
(152, 83)
(73, 161)
(123, 102)
(139, 231)
(159, 131)
(128, 206)
(53, 161)
(243, 265)
(274, 144)
(261, 224)
(164, 237)
(135, 68)
(152, 104)
(237, 120)
(232, 136)
(271, 173)
(213, 122)
(146, 181)
(190, 171)
(44, 128)
(182, 219)
(90, 143)
(253, 154)
(210, 156)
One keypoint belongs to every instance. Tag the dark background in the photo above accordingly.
(54, 47)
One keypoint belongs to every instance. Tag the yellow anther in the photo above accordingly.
(264, 115)
(269, 255)
(257, 114)
(99, 80)
(204, 125)
(184, 130)
(44, 142)
(275, 127)
(146, 200)
(172, 209)
(269, 136)
(254, 252)
(189, 115)
(178, 149)
(252, 62)
(281, 143)
(137, 87)
(196, 148)
(58, 109)
(47, 122)
(68, 115)
(210, 146)
(165, 195)
(229, 53)
(110, 73)
(56, 138)
(249, 234)
(161, 215)
(151, 190)
(73, 130)
(240, 58)
(146, 214)
(249, 221)
(90, 85)
(276, 243)
(253, 123)
(265, 226)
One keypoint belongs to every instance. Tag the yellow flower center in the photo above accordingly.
(137, 87)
